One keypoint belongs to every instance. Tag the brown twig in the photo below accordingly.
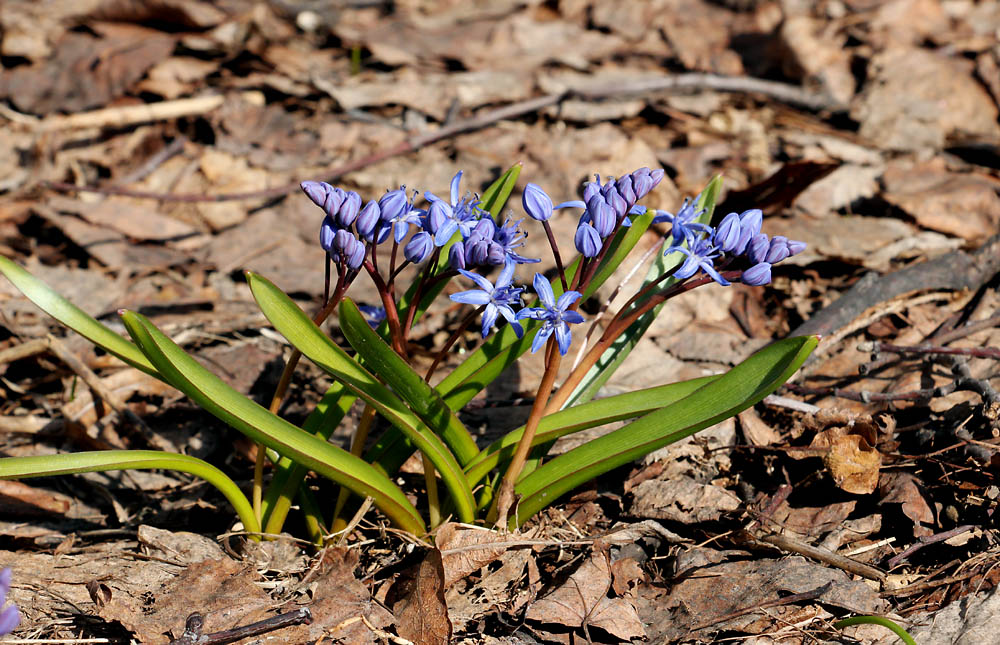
(978, 352)
(192, 628)
(826, 556)
(926, 540)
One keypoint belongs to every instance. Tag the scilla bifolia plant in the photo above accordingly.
(461, 238)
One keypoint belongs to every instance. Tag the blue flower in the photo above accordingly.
(419, 247)
(374, 315)
(10, 616)
(509, 237)
(683, 224)
(757, 275)
(498, 298)
(555, 313)
(587, 240)
(445, 218)
(701, 254)
(536, 202)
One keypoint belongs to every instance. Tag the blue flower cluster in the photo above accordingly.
(737, 235)
(349, 230)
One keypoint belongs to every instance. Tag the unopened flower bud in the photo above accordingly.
(727, 234)
(757, 275)
(777, 250)
(367, 219)
(357, 257)
(419, 247)
(795, 247)
(349, 208)
(602, 217)
(316, 191)
(626, 190)
(495, 255)
(750, 223)
(456, 256)
(393, 204)
(758, 247)
(587, 240)
(326, 232)
(537, 204)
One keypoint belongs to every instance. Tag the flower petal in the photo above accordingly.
(540, 338)
(455, 181)
(475, 297)
(563, 337)
(567, 299)
(544, 291)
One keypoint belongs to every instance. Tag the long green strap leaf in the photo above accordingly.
(92, 462)
(214, 395)
(288, 475)
(73, 317)
(293, 324)
(426, 403)
(738, 389)
(582, 417)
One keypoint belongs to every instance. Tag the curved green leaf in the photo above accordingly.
(211, 393)
(738, 389)
(73, 317)
(426, 403)
(495, 197)
(309, 339)
(581, 417)
(92, 462)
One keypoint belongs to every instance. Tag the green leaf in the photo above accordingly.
(309, 339)
(92, 462)
(426, 403)
(211, 393)
(615, 355)
(288, 475)
(496, 196)
(582, 417)
(738, 389)
(73, 317)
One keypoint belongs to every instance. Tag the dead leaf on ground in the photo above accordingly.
(964, 206)
(421, 612)
(221, 590)
(461, 562)
(682, 499)
(337, 596)
(902, 488)
(583, 601)
(916, 98)
(86, 71)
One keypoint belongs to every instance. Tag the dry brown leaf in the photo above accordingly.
(421, 612)
(810, 52)
(959, 205)
(337, 595)
(756, 431)
(457, 565)
(848, 443)
(681, 499)
(22, 500)
(221, 590)
(904, 489)
(583, 600)
(86, 71)
(916, 98)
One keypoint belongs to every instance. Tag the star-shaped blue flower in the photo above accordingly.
(498, 298)
(683, 224)
(445, 218)
(700, 255)
(556, 314)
